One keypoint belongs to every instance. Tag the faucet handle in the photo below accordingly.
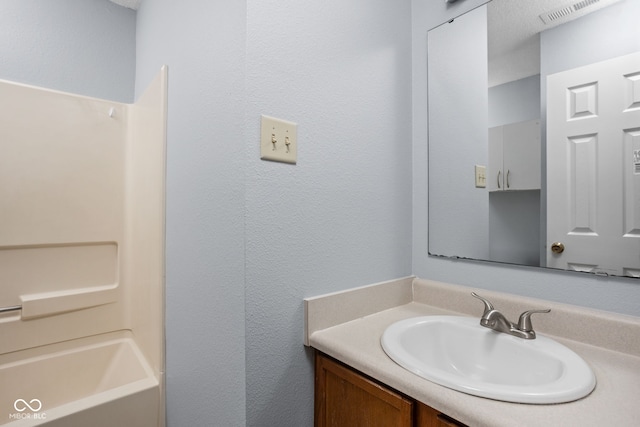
(487, 304)
(524, 323)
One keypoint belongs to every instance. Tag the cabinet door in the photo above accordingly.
(521, 161)
(429, 417)
(344, 398)
(514, 157)
(495, 177)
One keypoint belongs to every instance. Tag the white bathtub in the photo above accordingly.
(98, 381)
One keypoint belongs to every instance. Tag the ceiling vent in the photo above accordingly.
(565, 11)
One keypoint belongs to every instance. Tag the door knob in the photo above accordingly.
(557, 248)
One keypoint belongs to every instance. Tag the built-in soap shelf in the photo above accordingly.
(49, 303)
(48, 279)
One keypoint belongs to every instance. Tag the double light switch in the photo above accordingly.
(278, 140)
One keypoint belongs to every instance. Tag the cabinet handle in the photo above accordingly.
(499, 179)
(508, 173)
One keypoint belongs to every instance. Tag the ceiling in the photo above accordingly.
(131, 4)
(514, 28)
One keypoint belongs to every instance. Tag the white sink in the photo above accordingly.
(458, 353)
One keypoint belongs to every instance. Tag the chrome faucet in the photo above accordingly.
(493, 319)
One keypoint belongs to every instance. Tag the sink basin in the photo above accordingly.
(458, 353)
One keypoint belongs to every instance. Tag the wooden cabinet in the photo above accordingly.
(426, 416)
(514, 157)
(347, 398)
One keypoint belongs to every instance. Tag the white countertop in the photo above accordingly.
(611, 349)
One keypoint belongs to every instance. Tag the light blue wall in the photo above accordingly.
(340, 217)
(247, 240)
(203, 43)
(515, 101)
(79, 46)
(612, 294)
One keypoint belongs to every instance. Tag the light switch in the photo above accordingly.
(278, 140)
(481, 176)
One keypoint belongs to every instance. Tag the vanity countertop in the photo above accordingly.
(348, 326)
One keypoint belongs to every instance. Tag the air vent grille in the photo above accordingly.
(562, 12)
(584, 3)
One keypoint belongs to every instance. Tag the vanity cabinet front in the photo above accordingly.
(347, 398)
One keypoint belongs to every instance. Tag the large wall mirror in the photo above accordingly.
(534, 135)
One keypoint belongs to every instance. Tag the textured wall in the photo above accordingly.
(80, 46)
(337, 219)
(341, 217)
(202, 42)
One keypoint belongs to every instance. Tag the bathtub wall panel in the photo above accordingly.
(61, 169)
(145, 212)
(82, 201)
(28, 270)
(82, 217)
(62, 215)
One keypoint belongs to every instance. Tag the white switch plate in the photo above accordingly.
(278, 140)
(481, 176)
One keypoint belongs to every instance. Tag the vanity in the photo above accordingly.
(356, 378)
(347, 397)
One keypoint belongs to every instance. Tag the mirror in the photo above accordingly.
(525, 167)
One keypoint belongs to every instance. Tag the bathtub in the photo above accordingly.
(96, 381)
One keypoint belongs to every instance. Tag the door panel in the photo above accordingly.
(593, 167)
